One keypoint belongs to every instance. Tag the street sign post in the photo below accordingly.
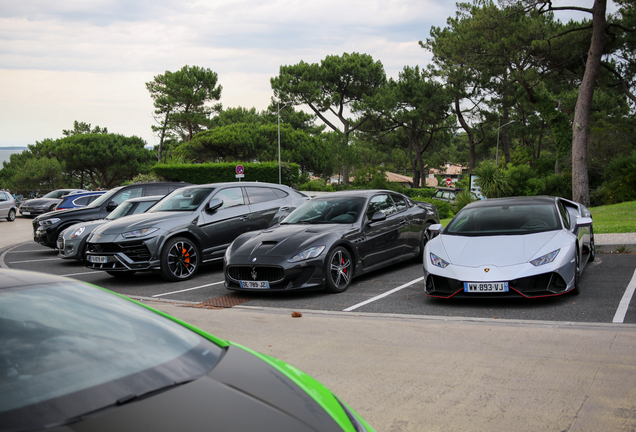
(240, 172)
(449, 181)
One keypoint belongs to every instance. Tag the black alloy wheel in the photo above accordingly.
(11, 215)
(339, 270)
(179, 259)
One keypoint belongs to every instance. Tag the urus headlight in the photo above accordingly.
(438, 262)
(77, 231)
(312, 252)
(139, 233)
(545, 259)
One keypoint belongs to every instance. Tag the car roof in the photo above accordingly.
(223, 184)
(490, 202)
(364, 193)
(446, 188)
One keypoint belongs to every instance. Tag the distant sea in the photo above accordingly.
(6, 152)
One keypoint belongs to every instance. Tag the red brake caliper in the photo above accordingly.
(187, 256)
(344, 270)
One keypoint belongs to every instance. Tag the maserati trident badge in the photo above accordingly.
(254, 274)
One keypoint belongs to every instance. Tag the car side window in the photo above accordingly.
(280, 193)
(400, 203)
(143, 206)
(231, 197)
(260, 194)
(564, 215)
(3, 197)
(157, 189)
(381, 203)
(82, 201)
(127, 194)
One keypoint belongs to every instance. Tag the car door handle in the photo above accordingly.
(244, 218)
(285, 208)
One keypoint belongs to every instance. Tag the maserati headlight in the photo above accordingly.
(312, 252)
(77, 231)
(438, 262)
(545, 259)
(140, 232)
(49, 222)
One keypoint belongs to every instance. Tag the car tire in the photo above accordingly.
(577, 271)
(11, 215)
(339, 270)
(121, 274)
(179, 259)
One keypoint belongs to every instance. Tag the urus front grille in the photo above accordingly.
(256, 273)
(135, 251)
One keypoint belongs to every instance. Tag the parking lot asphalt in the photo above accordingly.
(417, 373)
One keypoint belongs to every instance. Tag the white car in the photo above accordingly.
(510, 247)
(8, 209)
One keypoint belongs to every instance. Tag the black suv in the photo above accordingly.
(191, 226)
(47, 227)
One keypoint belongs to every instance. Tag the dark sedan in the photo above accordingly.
(189, 227)
(47, 203)
(329, 240)
(74, 357)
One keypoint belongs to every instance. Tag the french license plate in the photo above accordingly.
(98, 259)
(26, 213)
(479, 287)
(254, 284)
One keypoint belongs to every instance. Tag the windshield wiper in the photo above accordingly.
(126, 400)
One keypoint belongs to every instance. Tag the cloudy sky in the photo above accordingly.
(89, 60)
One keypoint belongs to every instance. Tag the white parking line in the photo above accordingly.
(349, 309)
(32, 251)
(79, 274)
(48, 259)
(189, 289)
(619, 317)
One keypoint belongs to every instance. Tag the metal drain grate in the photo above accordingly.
(226, 301)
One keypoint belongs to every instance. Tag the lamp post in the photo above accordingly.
(278, 114)
(500, 126)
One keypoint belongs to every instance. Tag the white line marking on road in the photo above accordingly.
(79, 274)
(189, 289)
(47, 259)
(627, 298)
(32, 251)
(349, 309)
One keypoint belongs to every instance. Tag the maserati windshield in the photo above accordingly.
(328, 210)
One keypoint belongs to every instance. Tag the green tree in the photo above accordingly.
(421, 107)
(336, 87)
(180, 100)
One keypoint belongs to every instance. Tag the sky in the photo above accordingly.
(89, 60)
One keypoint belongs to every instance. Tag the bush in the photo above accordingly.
(462, 199)
(444, 208)
(417, 193)
(620, 180)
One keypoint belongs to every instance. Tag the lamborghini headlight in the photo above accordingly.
(438, 262)
(312, 252)
(545, 259)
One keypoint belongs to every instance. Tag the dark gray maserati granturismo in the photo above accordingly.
(329, 240)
